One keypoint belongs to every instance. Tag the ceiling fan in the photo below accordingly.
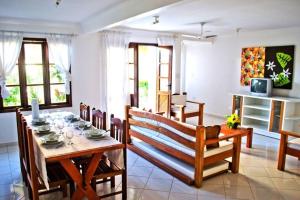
(201, 36)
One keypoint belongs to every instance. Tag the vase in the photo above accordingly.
(235, 126)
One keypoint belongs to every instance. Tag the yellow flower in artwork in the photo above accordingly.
(233, 120)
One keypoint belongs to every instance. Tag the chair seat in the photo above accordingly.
(106, 170)
(186, 110)
(294, 144)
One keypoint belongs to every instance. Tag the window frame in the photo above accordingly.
(25, 105)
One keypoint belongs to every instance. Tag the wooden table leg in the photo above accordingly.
(236, 154)
(249, 137)
(83, 187)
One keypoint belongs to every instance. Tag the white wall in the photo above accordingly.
(86, 70)
(213, 70)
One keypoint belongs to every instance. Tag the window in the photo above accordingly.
(35, 76)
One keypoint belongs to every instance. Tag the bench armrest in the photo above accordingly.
(289, 133)
(199, 103)
(225, 137)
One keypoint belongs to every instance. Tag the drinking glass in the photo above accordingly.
(81, 126)
(60, 125)
(69, 135)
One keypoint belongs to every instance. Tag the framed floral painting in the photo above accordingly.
(252, 64)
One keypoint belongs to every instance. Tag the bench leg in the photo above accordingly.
(282, 152)
(249, 138)
(236, 154)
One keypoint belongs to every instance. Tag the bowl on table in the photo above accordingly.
(95, 134)
(43, 129)
(52, 140)
(87, 125)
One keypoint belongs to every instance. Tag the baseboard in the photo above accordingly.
(215, 115)
(8, 144)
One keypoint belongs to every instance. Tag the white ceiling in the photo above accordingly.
(223, 16)
(73, 11)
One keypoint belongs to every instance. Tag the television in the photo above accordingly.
(261, 87)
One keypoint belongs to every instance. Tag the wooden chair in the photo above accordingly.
(19, 117)
(107, 170)
(288, 147)
(85, 112)
(57, 177)
(181, 108)
(99, 119)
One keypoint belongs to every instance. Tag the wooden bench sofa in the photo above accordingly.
(179, 148)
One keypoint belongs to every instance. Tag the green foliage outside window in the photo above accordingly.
(143, 87)
(14, 98)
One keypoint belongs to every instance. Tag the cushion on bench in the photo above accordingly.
(224, 145)
(294, 144)
(177, 164)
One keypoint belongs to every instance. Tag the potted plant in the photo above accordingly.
(233, 121)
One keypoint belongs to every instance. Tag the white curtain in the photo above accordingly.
(114, 72)
(59, 49)
(10, 46)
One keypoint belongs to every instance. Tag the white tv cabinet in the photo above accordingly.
(267, 115)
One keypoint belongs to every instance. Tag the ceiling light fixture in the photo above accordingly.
(156, 20)
(57, 2)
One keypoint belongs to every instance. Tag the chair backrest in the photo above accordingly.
(99, 119)
(84, 112)
(32, 176)
(25, 158)
(178, 99)
(118, 129)
(20, 136)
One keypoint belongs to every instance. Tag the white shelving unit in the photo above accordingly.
(268, 115)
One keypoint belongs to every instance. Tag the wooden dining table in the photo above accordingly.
(65, 155)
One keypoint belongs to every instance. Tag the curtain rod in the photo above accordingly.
(42, 33)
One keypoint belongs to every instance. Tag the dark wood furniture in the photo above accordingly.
(181, 110)
(107, 170)
(84, 112)
(197, 145)
(248, 132)
(288, 147)
(99, 119)
(19, 118)
(57, 177)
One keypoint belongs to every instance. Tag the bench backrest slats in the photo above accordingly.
(191, 131)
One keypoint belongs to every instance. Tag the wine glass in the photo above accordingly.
(81, 126)
(69, 135)
(60, 125)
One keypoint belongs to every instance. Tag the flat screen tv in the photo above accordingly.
(261, 87)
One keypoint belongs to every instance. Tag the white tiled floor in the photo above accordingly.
(258, 178)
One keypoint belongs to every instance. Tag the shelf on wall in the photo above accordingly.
(257, 117)
(295, 117)
(258, 107)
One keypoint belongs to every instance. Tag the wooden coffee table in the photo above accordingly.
(245, 132)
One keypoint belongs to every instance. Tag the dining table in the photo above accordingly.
(80, 146)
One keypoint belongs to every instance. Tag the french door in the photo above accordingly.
(150, 74)
(164, 79)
